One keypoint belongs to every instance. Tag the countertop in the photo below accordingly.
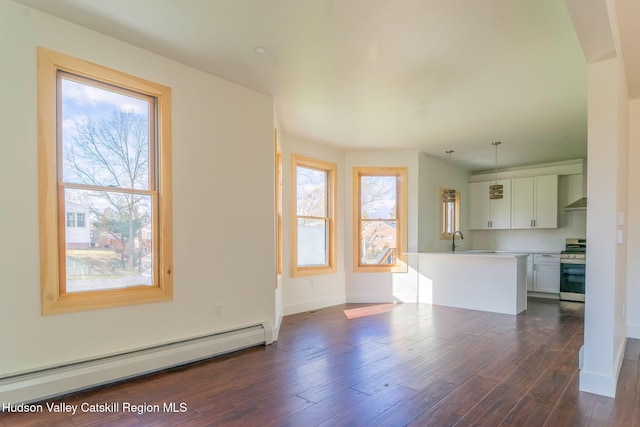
(476, 253)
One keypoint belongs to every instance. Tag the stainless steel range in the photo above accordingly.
(573, 262)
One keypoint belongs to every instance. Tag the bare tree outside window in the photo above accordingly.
(378, 206)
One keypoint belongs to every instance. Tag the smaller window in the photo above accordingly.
(80, 220)
(449, 212)
(313, 201)
(380, 219)
(70, 220)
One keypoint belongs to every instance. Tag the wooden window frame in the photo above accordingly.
(52, 211)
(444, 235)
(278, 186)
(331, 195)
(401, 217)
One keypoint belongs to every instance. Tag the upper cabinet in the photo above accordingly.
(534, 202)
(485, 213)
(530, 202)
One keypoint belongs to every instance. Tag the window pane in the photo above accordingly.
(447, 217)
(451, 217)
(312, 242)
(311, 192)
(114, 248)
(80, 219)
(378, 197)
(378, 242)
(105, 137)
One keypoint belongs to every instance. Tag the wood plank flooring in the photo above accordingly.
(380, 365)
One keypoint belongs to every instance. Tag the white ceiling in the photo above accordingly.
(426, 75)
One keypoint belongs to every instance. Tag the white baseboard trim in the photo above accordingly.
(45, 383)
(633, 331)
(370, 299)
(547, 295)
(592, 382)
(381, 298)
(311, 305)
(604, 385)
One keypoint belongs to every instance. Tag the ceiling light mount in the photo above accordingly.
(260, 50)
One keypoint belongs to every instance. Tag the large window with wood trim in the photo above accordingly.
(313, 229)
(105, 186)
(380, 218)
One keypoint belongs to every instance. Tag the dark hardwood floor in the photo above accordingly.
(380, 365)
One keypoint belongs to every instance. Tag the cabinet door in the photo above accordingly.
(522, 207)
(546, 201)
(529, 274)
(501, 208)
(479, 207)
(546, 277)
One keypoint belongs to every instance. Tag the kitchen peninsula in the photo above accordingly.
(476, 280)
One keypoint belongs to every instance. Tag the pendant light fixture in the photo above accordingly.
(449, 194)
(496, 190)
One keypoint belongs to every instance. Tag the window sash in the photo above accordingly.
(313, 223)
(129, 259)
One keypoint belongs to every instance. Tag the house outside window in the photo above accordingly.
(380, 219)
(313, 227)
(104, 151)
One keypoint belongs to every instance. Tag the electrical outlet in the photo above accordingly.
(218, 310)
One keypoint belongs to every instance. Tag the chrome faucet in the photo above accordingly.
(453, 239)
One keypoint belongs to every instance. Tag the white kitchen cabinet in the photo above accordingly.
(485, 213)
(530, 272)
(534, 202)
(546, 273)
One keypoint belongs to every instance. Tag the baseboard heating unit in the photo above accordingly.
(54, 381)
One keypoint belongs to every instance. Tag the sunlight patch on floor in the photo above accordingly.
(370, 310)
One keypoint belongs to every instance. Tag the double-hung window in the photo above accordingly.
(313, 228)
(104, 166)
(380, 218)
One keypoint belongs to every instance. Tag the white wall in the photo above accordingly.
(632, 223)
(311, 292)
(605, 330)
(223, 186)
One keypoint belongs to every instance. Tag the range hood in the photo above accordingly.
(580, 204)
